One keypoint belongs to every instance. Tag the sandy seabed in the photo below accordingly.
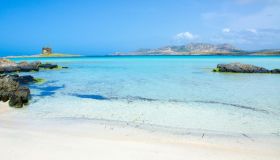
(33, 139)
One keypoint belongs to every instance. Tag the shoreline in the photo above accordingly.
(154, 55)
(74, 139)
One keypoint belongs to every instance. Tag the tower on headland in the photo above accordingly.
(46, 51)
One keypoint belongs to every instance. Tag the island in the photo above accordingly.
(199, 49)
(46, 52)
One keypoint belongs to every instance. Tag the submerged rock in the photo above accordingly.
(48, 66)
(243, 68)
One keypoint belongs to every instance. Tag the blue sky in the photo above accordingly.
(106, 26)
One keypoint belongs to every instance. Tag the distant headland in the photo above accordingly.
(199, 49)
(46, 52)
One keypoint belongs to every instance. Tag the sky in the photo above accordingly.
(106, 26)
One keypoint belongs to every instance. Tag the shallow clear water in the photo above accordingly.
(179, 91)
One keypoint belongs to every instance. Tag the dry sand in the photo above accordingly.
(22, 139)
(4, 107)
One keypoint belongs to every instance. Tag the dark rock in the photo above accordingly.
(275, 71)
(4, 96)
(7, 66)
(22, 79)
(48, 66)
(26, 79)
(8, 84)
(28, 67)
(9, 69)
(10, 89)
(36, 63)
(19, 97)
(241, 68)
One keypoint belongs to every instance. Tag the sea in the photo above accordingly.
(180, 92)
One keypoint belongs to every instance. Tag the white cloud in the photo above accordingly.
(250, 38)
(252, 30)
(226, 30)
(257, 28)
(186, 36)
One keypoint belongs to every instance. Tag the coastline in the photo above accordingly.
(147, 55)
(74, 139)
(197, 54)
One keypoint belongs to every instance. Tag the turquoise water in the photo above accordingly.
(178, 91)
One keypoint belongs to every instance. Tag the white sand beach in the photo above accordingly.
(25, 139)
(4, 107)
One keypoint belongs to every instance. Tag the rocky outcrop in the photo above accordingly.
(23, 79)
(243, 68)
(12, 91)
(28, 67)
(13, 88)
(275, 71)
(7, 66)
(48, 66)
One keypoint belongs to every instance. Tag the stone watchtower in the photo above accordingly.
(46, 51)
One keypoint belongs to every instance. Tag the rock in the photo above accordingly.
(10, 89)
(28, 67)
(19, 97)
(26, 79)
(23, 79)
(275, 71)
(7, 66)
(8, 84)
(241, 68)
(48, 66)
(6, 62)
(5, 96)
(9, 69)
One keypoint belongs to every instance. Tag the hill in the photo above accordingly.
(199, 49)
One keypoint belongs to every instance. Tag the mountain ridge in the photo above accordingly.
(199, 49)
